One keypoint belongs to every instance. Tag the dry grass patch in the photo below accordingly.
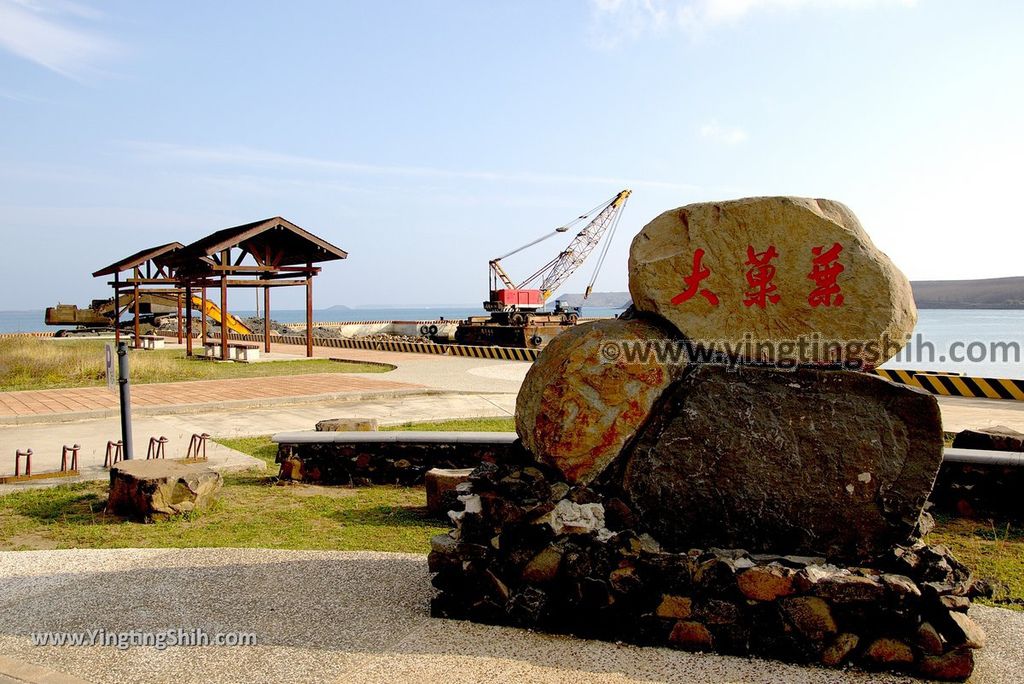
(31, 363)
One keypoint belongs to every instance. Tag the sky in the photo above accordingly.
(427, 137)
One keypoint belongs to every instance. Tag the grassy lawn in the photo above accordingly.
(461, 425)
(253, 511)
(991, 549)
(27, 363)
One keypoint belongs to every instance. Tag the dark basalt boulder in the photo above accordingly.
(831, 463)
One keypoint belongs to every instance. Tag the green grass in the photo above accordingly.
(460, 425)
(992, 549)
(253, 511)
(28, 363)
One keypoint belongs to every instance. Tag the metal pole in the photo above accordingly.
(126, 399)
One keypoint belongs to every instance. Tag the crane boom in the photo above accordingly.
(512, 299)
(582, 245)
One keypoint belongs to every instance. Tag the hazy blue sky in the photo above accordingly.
(426, 137)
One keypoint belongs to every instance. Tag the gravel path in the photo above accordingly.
(336, 616)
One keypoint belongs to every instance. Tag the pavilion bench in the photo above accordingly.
(152, 341)
(237, 351)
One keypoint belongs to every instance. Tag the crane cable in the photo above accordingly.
(604, 249)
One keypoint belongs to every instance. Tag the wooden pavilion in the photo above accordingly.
(149, 273)
(264, 254)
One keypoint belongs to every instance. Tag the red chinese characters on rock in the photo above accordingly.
(759, 278)
(825, 268)
(693, 281)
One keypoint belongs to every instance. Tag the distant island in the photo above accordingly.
(988, 293)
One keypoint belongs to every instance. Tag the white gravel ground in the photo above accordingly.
(340, 617)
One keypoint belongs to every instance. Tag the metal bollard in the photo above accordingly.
(197, 442)
(64, 457)
(114, 454)
(156, 448)
(28, 462)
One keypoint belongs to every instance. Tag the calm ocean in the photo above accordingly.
(945, 339)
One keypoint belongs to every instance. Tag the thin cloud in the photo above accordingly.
(44, 32)
(249, 157)
(614, 21)
(725, 135)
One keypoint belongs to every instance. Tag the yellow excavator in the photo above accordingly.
(153, 308)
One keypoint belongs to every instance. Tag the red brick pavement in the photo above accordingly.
(46, 402)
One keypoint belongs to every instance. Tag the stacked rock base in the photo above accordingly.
(533, 551)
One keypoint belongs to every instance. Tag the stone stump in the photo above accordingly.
(441, 484)
(159, 488)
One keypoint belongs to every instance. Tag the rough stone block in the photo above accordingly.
(161, 488)
(440, 484)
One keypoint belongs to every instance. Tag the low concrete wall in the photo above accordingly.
(363, 458)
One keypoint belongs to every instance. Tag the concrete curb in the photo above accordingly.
(168, 409)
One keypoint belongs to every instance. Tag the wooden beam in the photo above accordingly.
(138, 338)
(188, 323)
(309, 316)
(266, 319)
(178, 297)
(117, 309)
(225, 259)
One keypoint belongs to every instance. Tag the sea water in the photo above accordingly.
(979, 342)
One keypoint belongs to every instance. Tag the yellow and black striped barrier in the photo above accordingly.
(953, 385)
(936, 382)
(470, 351)
(503, 353)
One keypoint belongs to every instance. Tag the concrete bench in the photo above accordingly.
(237, 351)
(152, 341)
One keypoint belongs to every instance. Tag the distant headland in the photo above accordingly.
(987, 293)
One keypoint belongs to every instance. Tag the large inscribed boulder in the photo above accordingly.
(768, 271)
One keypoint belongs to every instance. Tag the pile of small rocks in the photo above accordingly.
(532, 550)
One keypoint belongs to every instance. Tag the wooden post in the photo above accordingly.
(178, 297)
(202, 316)
(188, 322)
(117, 307)
(309, 311)
(138, 340)
(266, 318)
(225, 261)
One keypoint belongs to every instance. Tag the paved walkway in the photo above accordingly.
(343, 617)
(32, 405)
(46, 439)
